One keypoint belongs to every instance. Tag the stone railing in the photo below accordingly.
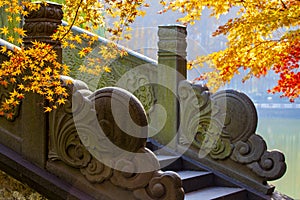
(81, 142)
(218, 130)
(88, 147)
(118, 65)
(222, 135)
(72, 142)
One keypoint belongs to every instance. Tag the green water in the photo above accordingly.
(284, 134)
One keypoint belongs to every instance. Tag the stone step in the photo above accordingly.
(195, 180)
(150, 145)
(217, 193)
(169, 162)
(158, 150)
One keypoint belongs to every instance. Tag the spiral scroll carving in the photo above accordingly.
(250, 151)
(221, 149)
(189, 111)
(200, 122)
(240, 116)
(128, 178)
(96, 172)
(271, 165)
(65, 143)
(112, 104)
(79, 146)
(35, 29)
(226, 123)
(163, 186)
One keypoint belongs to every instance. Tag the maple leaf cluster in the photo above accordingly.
(264, 36)
(32, 70)
(114, 16)
(289, 82)
(36, 69)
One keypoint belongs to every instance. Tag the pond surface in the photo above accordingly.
(284, 134)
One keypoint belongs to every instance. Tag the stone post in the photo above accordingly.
(171, 70)
(39, 26)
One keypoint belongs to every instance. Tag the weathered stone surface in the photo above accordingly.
(172, 41)
(41, 24)
(249, 151)
(97, 140)
(32, 134)
(224, 136)
(85, 134)
(171, 70)
(238, 114)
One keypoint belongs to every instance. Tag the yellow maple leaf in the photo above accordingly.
(21, 86)
(20, 31)
(3, 49)
(5, 106)
(59, 90)
(78, 39)
(69, 82)
(82, 53)
(72, 46)
(9, 115)
(107, 69)
(11, 39)
(14, 93)
(65, 44)
(9, 18)
(4, 30)
(18, 19)
(61, 101)
(47, 109)
(20, 41)
(82, 68)
(50, 98)
(24, 13)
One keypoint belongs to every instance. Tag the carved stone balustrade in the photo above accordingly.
(221, 132)
(91, 146)
(86, 142)
(96, 143)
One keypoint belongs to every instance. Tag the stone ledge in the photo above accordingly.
(39, 179)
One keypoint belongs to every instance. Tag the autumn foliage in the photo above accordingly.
(37, 70)
(264, 36)
(289, 82)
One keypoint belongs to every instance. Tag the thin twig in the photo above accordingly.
(73, 22)
(283, 4)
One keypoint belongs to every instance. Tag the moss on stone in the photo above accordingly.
(12, 189)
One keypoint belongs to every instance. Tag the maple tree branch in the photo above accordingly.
(68, 31)
(73, 22)
(263, 42)
(283, 4)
